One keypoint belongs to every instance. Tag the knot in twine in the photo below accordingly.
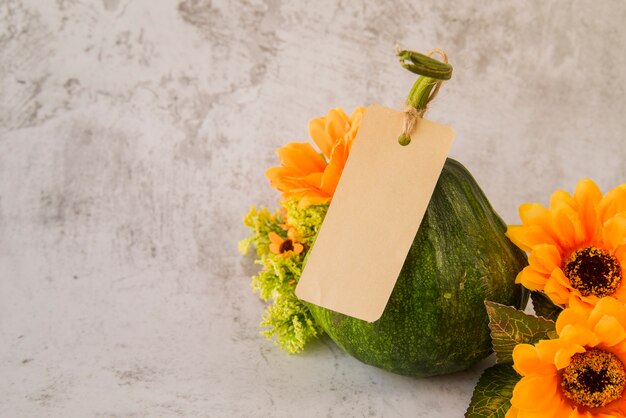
(411, 115)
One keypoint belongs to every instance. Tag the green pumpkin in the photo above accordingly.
(435, 321)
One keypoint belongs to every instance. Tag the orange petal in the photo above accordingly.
(281, 178)
(330, 180)
(578, 334)
(542, 414)
(526, 237)
(275, 248)
(294, 186)
(561, 197)
(567, 225)
(527, 362)
(335, 167)
(571, 316)
(589, 300)
(612, 203)
(534, 393)
(310, 192)
(620, 253)
(610, 331)
(587, 196)
(547, 350)
(581, 302)
(538, 215)
(561, 408)
(281, 171)
(608, 414)
(556, 289)
(545, 258)
(512, 413)
(317, 132)
(614, 231)
(620, 293)
(313, 179)
(337, 123)
(563, 357)
(355, 123)
(308, 186)
(301, 157)
(616, 409)
(532, 279)
(275, 238)
(575, 413)
(559, 275)
(608, 306)
(357, 115)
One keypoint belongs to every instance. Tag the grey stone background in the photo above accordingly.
(134, 135)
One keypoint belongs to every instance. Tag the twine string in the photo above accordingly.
(444, 58)
(411, 115)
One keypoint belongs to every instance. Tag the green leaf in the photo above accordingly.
(493, 392)
(510, 327)
(544, 306)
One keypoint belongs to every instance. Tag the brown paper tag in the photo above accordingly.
(375, 213)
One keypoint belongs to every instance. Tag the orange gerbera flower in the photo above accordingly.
(577, 246)
(580, 374)
(304, 173)
(285, 247)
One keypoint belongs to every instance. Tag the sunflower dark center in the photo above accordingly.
(593, 272)
(593, 378)
(287, 245)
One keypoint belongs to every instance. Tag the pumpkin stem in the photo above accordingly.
(432, 72)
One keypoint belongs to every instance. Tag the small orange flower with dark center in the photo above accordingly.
(285, 246)
(579, 374)
(576, 246)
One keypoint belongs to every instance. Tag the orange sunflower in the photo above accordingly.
(577, 251)
(285, 246)
(308, 175)
(582, 373)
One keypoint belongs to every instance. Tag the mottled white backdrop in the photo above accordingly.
(134, 135)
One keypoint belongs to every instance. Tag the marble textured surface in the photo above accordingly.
(134, 136)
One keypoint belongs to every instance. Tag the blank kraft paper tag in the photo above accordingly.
(375, 213)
